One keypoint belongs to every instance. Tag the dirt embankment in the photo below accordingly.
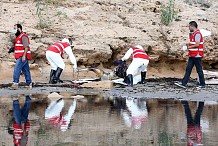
(104, 30)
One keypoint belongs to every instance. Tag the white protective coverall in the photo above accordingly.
(53, 114)
(138, 114)
(137, 64)
(56, 60)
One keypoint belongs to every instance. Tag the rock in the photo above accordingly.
(102, 85)
(78, 97)
(54, 96)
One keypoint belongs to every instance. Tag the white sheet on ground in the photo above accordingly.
(205, 32)
(85, 80)
(210, 73)
(211, 82)
(136, 80)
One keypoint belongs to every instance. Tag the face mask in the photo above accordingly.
(13, 31)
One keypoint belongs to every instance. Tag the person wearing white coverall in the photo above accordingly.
(54, 55)
(139, 63)
(137, 114)
(53, 114)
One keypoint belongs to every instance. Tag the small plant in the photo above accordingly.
(43, 21)
(43, 12)
(168, 13)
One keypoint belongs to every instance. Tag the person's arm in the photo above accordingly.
(197, 42)
(127, 55)
(69, 52)
(26, 46)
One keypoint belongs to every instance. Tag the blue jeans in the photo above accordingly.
(21, 115)
(24, 67)
(191, 62)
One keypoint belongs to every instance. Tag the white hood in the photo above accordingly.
(139, 47)
(66, 40)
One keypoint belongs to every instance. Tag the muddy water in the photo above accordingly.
(99, 121)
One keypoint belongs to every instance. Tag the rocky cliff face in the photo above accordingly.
(104, 29)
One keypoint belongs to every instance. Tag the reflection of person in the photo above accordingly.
(21, 124)
(22, 54)
(54, 115)
(54, 55)
(137, 114)
(117, 105)
(194, 130)
(139, 63)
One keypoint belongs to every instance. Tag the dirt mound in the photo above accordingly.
(104, 30)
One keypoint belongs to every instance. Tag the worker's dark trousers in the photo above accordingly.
(197, 118)
(191, 62)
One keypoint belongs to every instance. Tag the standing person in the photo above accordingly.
(22, 55)
(21, 125)
(196, 52)
(139, 63)
(54, 55)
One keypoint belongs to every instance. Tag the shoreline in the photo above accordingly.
(162, 88)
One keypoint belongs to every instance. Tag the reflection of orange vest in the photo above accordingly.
(138, 120)
(58, 47)
(18, 132)
(58, 121)
(19, 48)
(138, 53)
(195, 51)
(194, 134)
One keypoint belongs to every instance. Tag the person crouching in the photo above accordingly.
(54, 55)
(139, 63)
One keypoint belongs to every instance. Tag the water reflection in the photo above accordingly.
(99, 121)
(21, 124)
(133, 111)
(194, 129)
(54, 113)
(136, 113)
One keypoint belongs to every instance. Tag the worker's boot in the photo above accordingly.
(126, 80)
(130, 77)
(143, 76)
(14, 86)
(57, 76)
(52, 75)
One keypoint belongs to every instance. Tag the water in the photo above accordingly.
(99, 121)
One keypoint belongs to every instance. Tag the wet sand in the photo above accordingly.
(154, 88)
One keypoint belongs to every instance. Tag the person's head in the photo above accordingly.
(193, 26)
(18, 27)
(69, 41)
(139, 47)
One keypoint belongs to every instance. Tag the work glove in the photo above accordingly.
(11, 50)
(117, 62)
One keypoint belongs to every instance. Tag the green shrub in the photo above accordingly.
(168, 13)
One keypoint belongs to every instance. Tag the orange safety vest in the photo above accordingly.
(18, 132)
(195, 51)
(19, 48)
(138, 53)
(58, 47)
